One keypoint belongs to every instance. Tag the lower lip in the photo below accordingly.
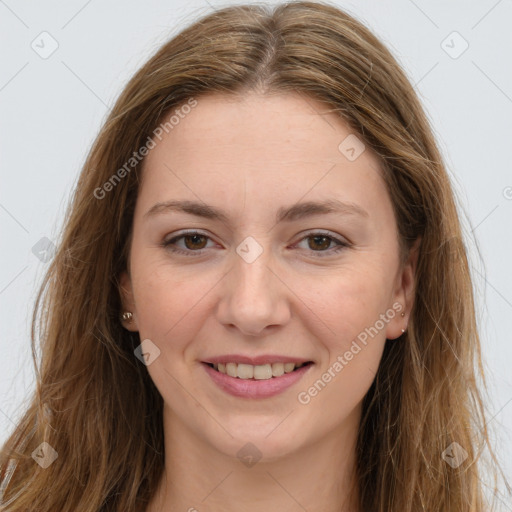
(252, 388)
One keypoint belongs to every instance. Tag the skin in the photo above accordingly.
(251, 155)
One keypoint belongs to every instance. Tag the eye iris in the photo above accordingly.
(197, 241)
(319, 239)
(195, 238)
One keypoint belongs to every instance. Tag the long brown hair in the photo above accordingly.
(95, 404)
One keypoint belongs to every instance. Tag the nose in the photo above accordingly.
(254, 299)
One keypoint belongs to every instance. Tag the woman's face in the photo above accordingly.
(267, 277)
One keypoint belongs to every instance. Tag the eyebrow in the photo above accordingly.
(285, 214)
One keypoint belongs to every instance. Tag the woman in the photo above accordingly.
(261, 299)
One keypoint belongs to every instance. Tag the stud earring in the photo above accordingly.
(127, 316)
(402, 314)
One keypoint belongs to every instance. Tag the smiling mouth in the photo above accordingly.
(258, 372)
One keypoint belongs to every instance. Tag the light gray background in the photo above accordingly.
(51, 110)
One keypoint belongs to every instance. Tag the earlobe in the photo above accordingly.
(398, 325)
(127, 316)
(405, 293)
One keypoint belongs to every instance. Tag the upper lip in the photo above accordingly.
(255, 360)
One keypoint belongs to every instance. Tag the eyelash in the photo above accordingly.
(167, 244)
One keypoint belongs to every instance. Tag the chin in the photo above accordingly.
(266, 444)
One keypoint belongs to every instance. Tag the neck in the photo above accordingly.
(200, 478)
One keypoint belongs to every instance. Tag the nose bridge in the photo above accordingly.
(254, 297)
(253, 279)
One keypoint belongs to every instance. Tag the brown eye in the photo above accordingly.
(195, 241)
(320, 242)
(191, 243)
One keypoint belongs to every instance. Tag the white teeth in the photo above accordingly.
(277, 369)
(257, 372)
(263, 372)
(231, 369)
(289, 367)
(245, 371)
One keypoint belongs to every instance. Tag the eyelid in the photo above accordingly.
(181, 234)
(331, 234)
(342, 242)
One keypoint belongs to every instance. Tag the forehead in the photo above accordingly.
(265, 147)
(279, 126)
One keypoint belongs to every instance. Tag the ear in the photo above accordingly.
(127, 301)
(403, 296)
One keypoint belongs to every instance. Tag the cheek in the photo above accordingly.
(353, 347)
(169, 302)
(339, 389)
(349, 303)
